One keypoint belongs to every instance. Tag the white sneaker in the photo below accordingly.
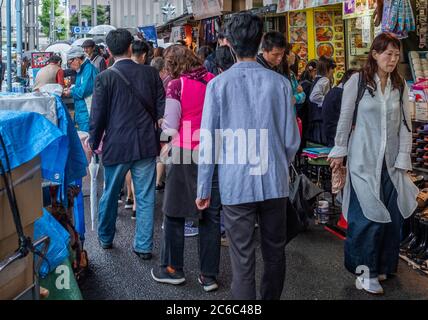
(370, 285)
(382, 277)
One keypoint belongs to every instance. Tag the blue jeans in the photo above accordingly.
(144, 178)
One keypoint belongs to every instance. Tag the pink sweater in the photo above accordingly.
(184, 105)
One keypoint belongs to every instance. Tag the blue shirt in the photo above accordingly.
(248, 96)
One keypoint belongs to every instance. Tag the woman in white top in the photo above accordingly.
(378, 193)
(320, 87)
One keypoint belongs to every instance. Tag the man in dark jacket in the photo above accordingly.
(126, 114)
(273, 46)
(92, 53)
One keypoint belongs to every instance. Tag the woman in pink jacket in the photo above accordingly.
(182, 121)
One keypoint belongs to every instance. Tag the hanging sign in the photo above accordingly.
(175, 34)
(357, 8)
(292, 5)
(150, 34)
(203, 9)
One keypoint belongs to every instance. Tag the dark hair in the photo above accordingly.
(347, 75)
(244, 32)
(325, 64)
(273, 40)
(224, 58)
(180, 59)
(140, 47)
(204, 52)
(55, 59)
(118, 41)
(221, 35)
(158, 52)
(380, 44)
(306, 75)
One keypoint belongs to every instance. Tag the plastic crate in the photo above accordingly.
(422, 55)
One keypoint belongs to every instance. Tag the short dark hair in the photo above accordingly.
(224, 58)
(272, 40)
(244, 32)
(118, 41)
(55, 59)
(325, 64)
(140, 47)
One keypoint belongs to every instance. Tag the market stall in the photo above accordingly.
(44, 138)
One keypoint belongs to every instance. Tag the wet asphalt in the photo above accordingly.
(315, 268)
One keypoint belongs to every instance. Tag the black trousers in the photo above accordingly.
(240, 229)
(172, 250)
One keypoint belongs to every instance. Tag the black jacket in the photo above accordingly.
(129, 128)
(331, 113)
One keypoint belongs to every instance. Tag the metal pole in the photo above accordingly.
(18, 7)
(94, 13)
(31, 26)
(1, 30)
(36, 24)
(26, 24)
(52, 24)
(79, 12)
(9, 43)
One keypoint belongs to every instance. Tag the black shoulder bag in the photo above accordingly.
(143, 101)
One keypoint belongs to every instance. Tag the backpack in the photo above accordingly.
(362, 86)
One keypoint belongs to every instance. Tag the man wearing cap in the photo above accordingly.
(92, 54)
(83, 88)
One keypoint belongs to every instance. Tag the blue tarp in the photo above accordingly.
(27, 135)
(76, 163)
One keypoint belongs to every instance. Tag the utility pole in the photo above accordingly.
(1, 29)
(18, 7)
(94, 13)
(31, 26)
(36, 24)
(52, 22)
(9, 43)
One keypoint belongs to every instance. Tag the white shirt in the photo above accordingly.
(379, 134)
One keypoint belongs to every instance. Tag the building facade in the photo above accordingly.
(135, 13)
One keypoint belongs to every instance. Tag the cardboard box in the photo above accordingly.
(16, 278)
(421, 111)
(27, 181)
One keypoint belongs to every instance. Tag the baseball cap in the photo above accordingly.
(75, 52)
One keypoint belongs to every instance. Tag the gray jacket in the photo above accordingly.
(249, 112)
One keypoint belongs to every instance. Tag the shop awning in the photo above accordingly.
(181, 20)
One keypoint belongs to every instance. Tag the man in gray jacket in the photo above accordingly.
(251, 105)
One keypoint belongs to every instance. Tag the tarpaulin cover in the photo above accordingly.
(28, 134)
(42, 103)
(57, 251)
(76, 163)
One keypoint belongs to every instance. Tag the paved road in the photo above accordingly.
(314, 269)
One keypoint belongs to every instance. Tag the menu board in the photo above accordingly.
(298, 35)
(330, 38)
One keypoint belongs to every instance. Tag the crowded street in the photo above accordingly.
(215, 151)
(314, 269)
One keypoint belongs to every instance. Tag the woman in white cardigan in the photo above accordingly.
(378, 193)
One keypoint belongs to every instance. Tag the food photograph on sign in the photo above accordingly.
(300, 49)
(298, 34)
(324, 34)
(323, 19)
(297, 19)
(296, 4)
(325, 49)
